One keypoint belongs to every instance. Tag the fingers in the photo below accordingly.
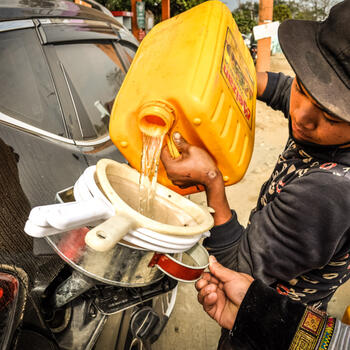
(209, 301)
(210, 289)
(208, 284)
(165, 155)
(233, 284)
(220, 272)
(200, 284)
(205, 280)
(180, 143)
(224, 275)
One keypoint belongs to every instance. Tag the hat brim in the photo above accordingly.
(298, 42)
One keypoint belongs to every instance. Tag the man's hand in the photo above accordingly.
(221, 292)
(194, 166)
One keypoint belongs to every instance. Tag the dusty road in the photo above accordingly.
(189, 328)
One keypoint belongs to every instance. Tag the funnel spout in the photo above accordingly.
(156, 118)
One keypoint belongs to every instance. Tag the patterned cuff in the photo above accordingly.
(328, 333)
(314, 329)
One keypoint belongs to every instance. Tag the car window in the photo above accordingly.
(95, 73)
(27, 92)
(129, 50)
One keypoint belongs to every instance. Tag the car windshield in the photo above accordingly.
(94, 74)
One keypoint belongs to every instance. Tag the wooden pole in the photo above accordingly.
(165, 9)
(264, 45)
(134, 29)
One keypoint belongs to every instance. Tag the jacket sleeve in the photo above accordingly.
(300, 230)
(277, 92)
(224, 240)
(269, 321)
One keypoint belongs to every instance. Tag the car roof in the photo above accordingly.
(27, 9)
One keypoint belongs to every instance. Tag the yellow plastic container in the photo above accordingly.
(192, 74)
(346, 316)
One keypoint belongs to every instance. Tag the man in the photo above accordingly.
(259, 318)
(298, 236)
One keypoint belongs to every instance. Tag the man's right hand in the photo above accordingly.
(221, 292)
(194, 165)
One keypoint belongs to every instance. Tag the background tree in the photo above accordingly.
(281, 12)
(246, 17)
(314, 10)
(176, 6)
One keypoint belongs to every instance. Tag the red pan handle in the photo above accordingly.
(180, 271)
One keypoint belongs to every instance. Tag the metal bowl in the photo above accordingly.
(124, 265)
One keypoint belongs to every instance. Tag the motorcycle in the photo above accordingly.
(253, 49)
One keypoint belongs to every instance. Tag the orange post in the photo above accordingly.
(165, 9)
(264, 45)
(134, 28)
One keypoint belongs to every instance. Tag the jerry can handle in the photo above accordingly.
(171, 146)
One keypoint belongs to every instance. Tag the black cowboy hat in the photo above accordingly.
(319, 53)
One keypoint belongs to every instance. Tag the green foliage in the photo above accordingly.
(118, 5)
(176, 6)
(246, 17)
(281, 12)
(314, 10)
(179, 6)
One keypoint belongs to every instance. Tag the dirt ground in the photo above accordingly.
(189, 327)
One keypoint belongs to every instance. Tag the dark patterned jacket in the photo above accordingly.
(298, 236)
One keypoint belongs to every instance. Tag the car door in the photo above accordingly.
(31, 116)
(36, 143)
(93, 58)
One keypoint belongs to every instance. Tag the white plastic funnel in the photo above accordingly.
(174, 215)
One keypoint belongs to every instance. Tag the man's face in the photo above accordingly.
(312, 124)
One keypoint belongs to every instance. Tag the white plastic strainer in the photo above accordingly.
(175, 216)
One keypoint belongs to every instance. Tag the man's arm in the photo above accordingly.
(224, 244)
(274, 89)
(194, 167)
(262, 80)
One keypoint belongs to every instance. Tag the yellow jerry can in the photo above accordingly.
(346, 316)
(192, 74)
